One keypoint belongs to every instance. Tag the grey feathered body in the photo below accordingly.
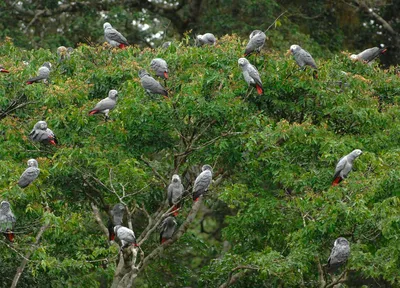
(114, 38)
(168, 227)
(160, 67)
(202, 183)
(339, 254)
(303, 58)
(257, 41)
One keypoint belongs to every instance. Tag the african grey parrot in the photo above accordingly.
(43, 74)
(41, 133)
(339, 254)
(117, 214)
(126, 236)
(344, 166)
(257, 40)
(175, 192)
(165, 45)
(151, 85)
(106, 105)
(160, 66)
(303, 58)
(113, 37)
(205, 39)
(168, 227)
(64, 53)
(2, 70)
(251, 75)
(202, 182)
(368, 55)
(30, 174)
(7, 220)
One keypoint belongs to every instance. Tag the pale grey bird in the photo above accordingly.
(251, 75)
(368, 55)
(43, 74)
(303, 58)
(257, 41)
(165, 45)
(30, 174)
(202, 182)
(7, 220)
(113, 37)
(344, 166)
(175, 192)
(3, 70)
(126, 236)
(106, 105)
(339, 254)
(205, 39)
(160, 67)
(151, 85)
(168, 227)
(117, 215)
(41, 133)
(64, 53)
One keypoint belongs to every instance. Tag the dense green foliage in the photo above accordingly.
(274, 209)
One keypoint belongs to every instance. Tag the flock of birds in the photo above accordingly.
(42, 134)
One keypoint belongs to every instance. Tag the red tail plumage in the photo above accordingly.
(9, 235)
(93, 112)
(122, 46)
(52, 142)
(336, 181)
(29, 83)
(259, 89)
(166, 75)
(163, 240)
(4, 71)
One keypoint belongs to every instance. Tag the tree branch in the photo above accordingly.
(232, 278)
(28, 255)
(97, 217)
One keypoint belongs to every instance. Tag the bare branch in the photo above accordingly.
(321, 278)
(28, 255)
(232, 278)
(97, 217)
(147, 162)
(274, 21)
(341, 279)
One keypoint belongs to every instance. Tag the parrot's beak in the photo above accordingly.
(288, 53)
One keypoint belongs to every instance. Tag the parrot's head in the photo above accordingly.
(113, 94)
(354, 57)
(5, 206)
(293, 49)
(47, 64)
(143, 73)
(341, 241)
(32, 163)
(42, 125)
(106, 25)
(206, 167)
(242, 62)
(119, 207)
(357, 152)
(254, 33)
(61, 50)
(175, 178)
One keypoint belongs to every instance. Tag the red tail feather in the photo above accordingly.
(383, 51)
(9, 235)
(259, 89)
(122, 46)
(4, 71)
(166, 75)
(175, 210)
(29, 83)
(111, 237)
(93, 112)
(52, 142)
(163, 240)
(197, 199)
(336, 181)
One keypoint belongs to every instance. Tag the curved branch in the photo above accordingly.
(232, 278)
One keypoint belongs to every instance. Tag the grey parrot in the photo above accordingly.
(117, 214)
(151, 85)
(64, 53)
(202, 182)
(126, 236)
(175, 192)
(205, 39)
(257, 40)
(41, 133)
(344, 166)
(168, 227)
(113, 37)
(7, 221)
(165, 45)
(251, 75)
(43, 74)
(339, 254)
(368, 55)
(30, 174)
(106, 105)
(2, 70)
(303, 58)
(160, 66)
